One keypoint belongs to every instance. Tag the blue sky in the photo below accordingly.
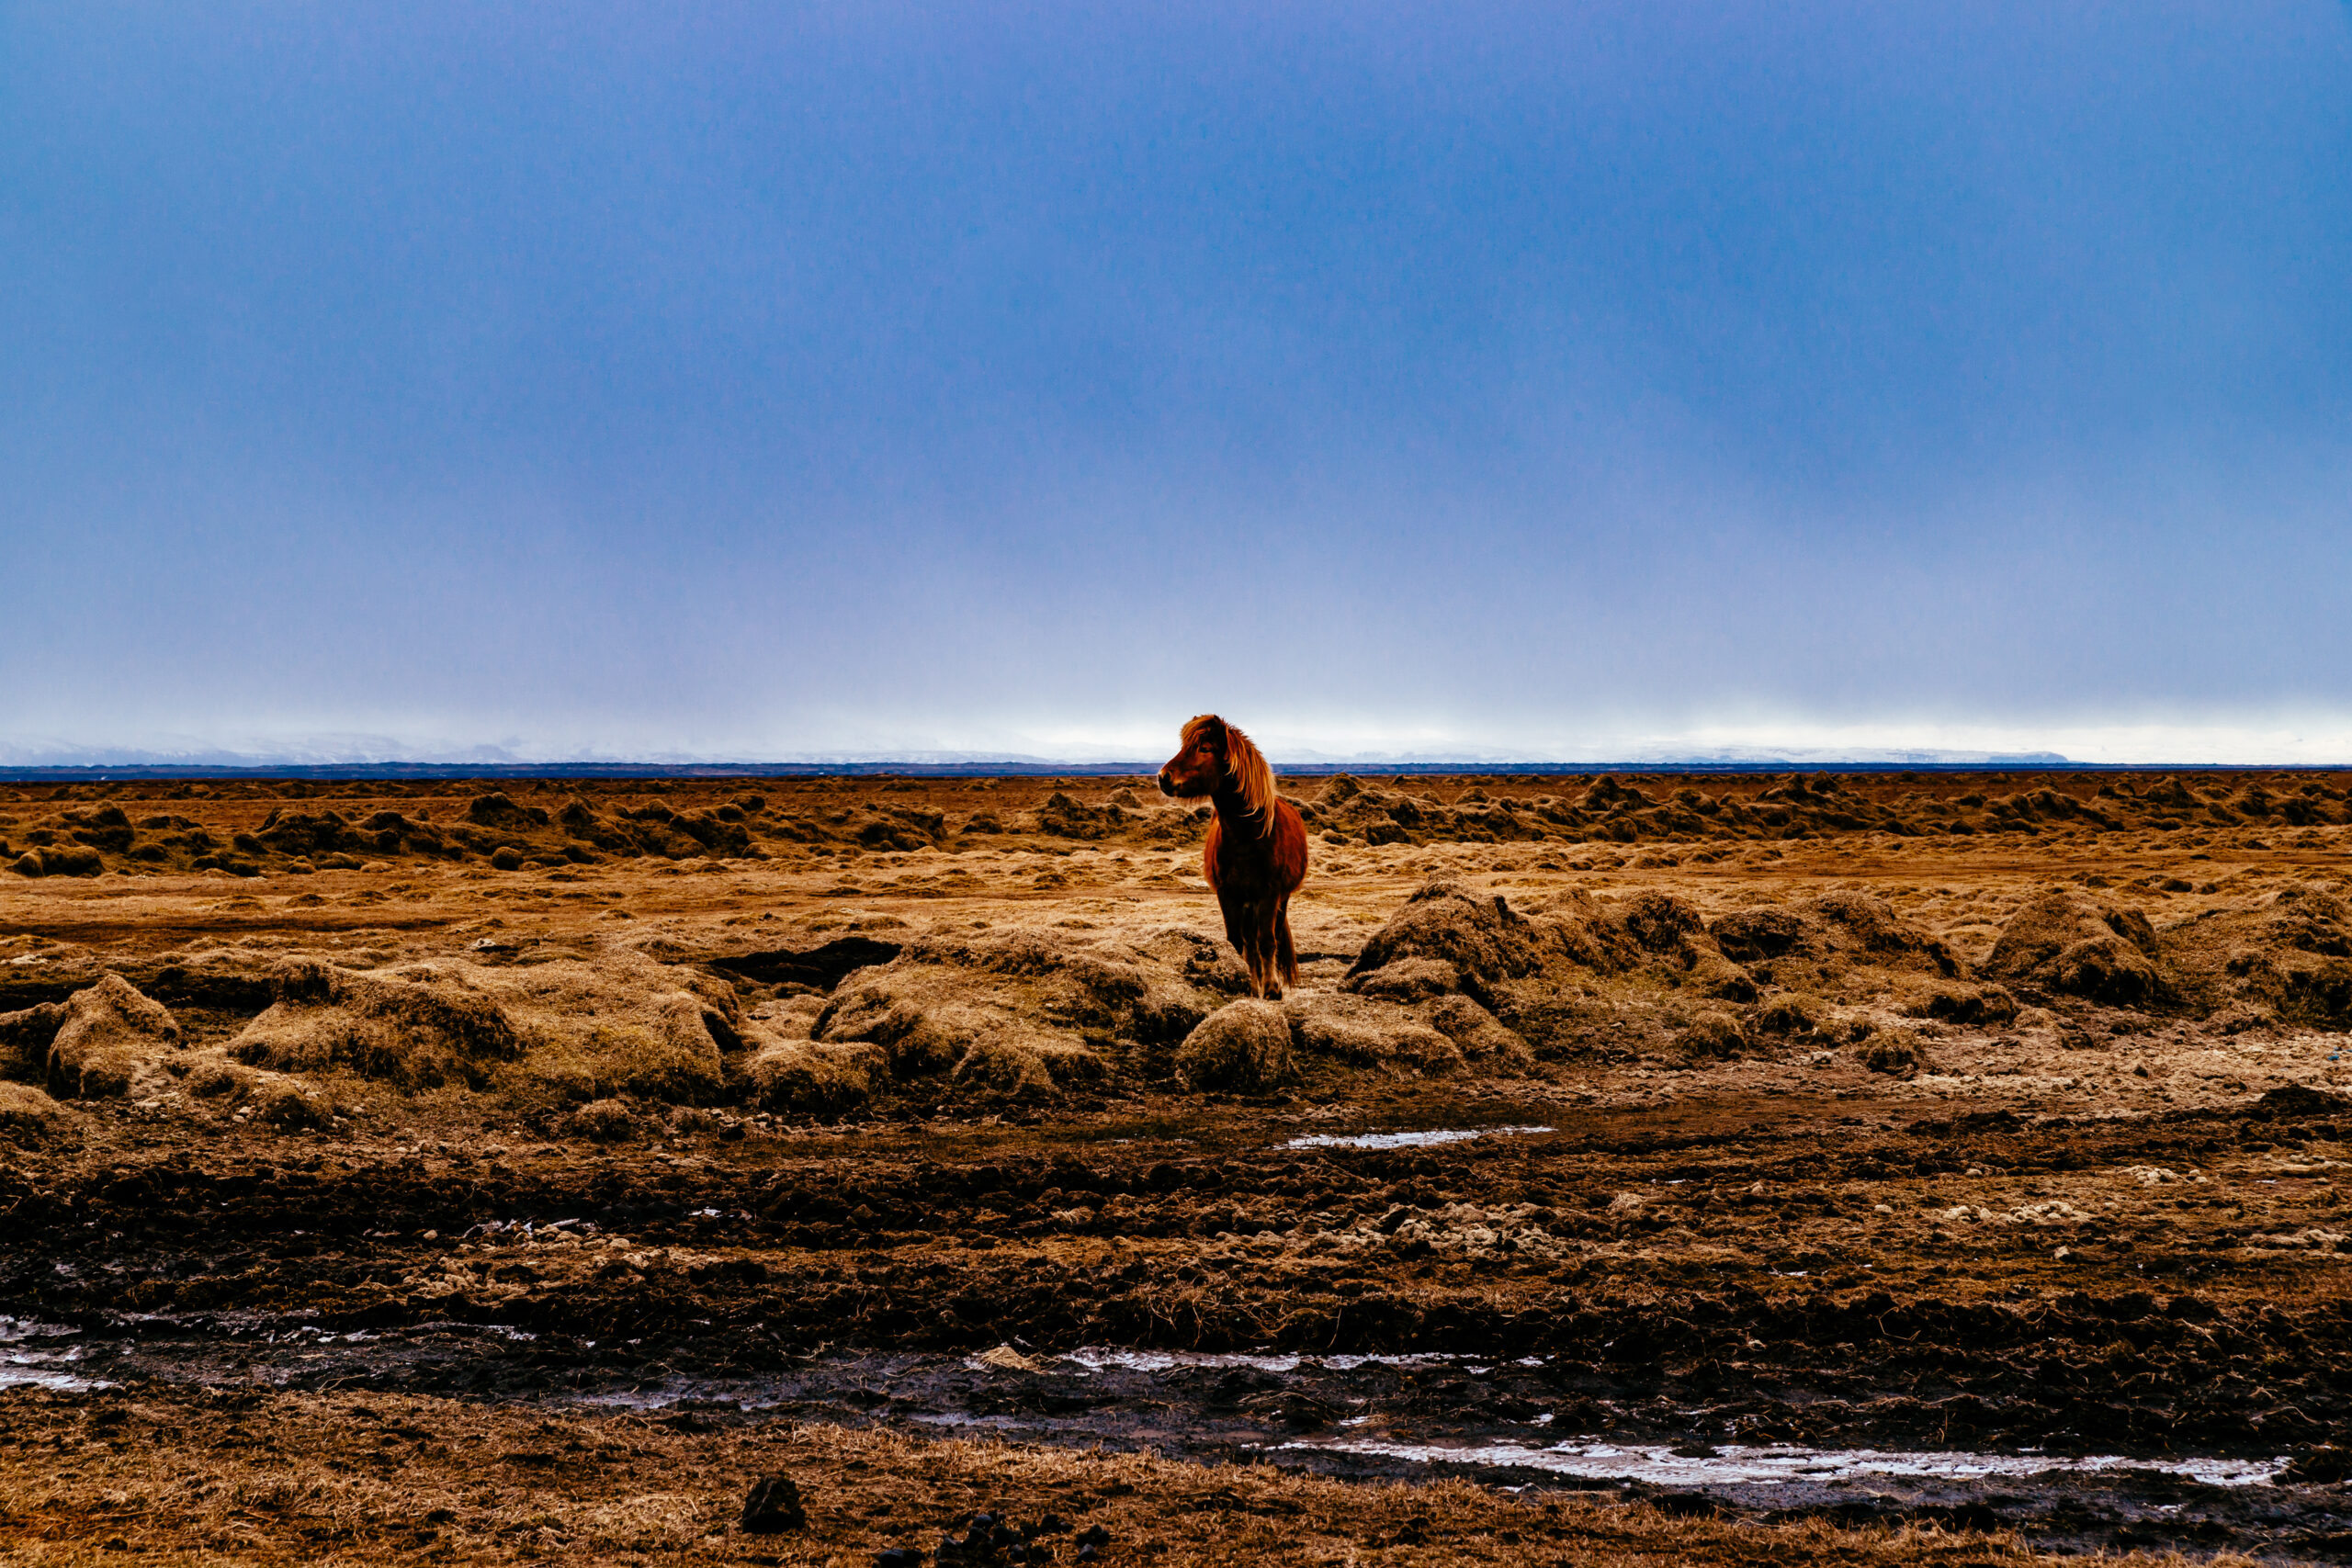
(759, 380)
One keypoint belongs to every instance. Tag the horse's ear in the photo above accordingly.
(1213, 731)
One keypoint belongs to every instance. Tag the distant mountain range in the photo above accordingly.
(363, 755)
(26, 764)
(374, 760)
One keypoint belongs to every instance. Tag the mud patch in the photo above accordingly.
(1222, 1407)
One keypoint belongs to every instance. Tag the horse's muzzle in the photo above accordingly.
(1165, 787)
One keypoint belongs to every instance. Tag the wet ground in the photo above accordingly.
(1673, 1305)
(1358, 1418)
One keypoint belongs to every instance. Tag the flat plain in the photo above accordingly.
(1743, 1169)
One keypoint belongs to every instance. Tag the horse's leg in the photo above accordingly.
(1251, 921)
(1237, 931)
(1261, 961)
(1270, 947)
(1285, 954)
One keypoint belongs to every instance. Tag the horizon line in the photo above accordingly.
(1035, 767)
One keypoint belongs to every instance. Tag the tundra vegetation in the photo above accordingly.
(1914, 1111)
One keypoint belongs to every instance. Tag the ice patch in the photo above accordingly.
(1404, 1140)
(1774, 1466)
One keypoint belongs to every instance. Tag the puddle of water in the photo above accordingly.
(1773, 1466)
(24, 1363)
(1101, 1357)
(644, 1402)
(693, 1396)
(14, 1330)
(529, 1229)
(463, 1330)
(1405, 1140)
(27, 1371)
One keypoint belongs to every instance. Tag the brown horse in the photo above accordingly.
(1256, 853)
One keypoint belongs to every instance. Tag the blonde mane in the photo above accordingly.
(1251, 774)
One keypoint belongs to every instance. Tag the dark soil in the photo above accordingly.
(849, 1282)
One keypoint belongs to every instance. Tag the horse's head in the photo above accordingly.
(1217, 756)
(1196, 771)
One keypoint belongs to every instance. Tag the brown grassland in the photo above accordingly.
(1938, 1112)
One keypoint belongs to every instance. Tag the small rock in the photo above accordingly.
(898, 1557)
(773, 1507)
(1094, 1535)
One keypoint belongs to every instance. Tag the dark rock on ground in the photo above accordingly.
(774, 1507)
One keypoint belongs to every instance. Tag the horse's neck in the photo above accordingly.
(1234, 814)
